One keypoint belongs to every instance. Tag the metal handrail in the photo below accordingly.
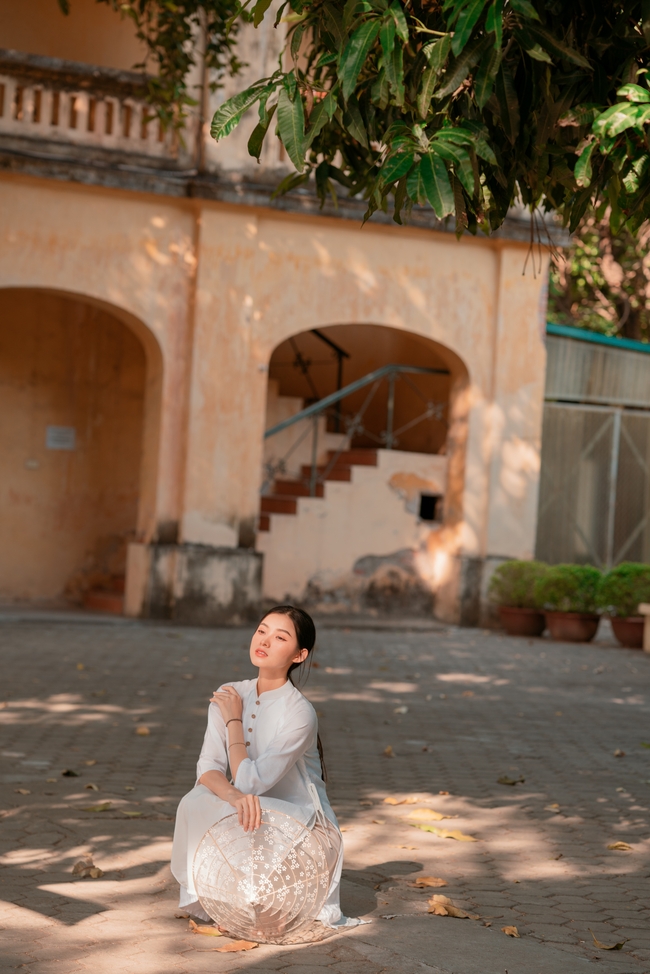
(322, 404)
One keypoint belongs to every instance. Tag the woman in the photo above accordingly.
(266, 732)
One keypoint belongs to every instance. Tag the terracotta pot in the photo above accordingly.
(572, 627)
(628, 630)
(522, 622)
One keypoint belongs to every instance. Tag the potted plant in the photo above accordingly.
(570, 597)
(512, 588)
(621, 590)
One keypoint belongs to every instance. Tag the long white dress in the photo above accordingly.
(280, 731)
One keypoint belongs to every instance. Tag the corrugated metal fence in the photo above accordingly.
(594, 503)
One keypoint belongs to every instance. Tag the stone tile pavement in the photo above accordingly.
(458, 708)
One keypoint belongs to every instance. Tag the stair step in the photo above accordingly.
(297, 488)
(358, 458)
(336, 473)
(277, 504)
(264, 523)
(103, 600)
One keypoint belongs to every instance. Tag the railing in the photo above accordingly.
(77, 104)
(354, 425)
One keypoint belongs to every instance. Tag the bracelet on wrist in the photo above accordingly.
(236, 743)
(234, 718)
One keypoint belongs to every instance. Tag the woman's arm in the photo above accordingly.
(294, 738)
(249, 811)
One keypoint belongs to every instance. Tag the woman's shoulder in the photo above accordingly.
(301, 704)
(243, 687)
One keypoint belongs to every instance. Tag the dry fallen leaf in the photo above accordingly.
(22, 791)
(601, 946)
(620, 846)
(91, 786)
(142, 731)
(467, 693)
(505, 780)
(236, 945)
(388, 752)
(423, 881)
(379, 821)
(510, 931)
(442, 906)
(407, 800)
(618, 753)
(69, 773)
(51, 781)
(205, 929)
(444, 833)
(129, 788)
(86, 868)
(97, 808)
(427, 813)
(80, 666)
(132, 814)
(645, 743)
(401, 710)
(90, 763)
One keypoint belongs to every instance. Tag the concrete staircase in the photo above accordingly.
(285, 494)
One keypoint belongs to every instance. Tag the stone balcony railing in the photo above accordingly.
(64, 104)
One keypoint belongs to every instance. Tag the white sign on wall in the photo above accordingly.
(61, 438)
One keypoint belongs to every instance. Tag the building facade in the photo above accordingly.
(160, 312)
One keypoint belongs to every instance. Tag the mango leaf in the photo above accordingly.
(525, 8)
(539, 54)
(397, 13)
(256, 140)
(334, 25)
(296, 41)
(583, 171)
(416, 192)
(291, 127)
(354, 123)
(459, 70)
(321, 114)
(508, 103)
(602, 946)
(387, 34)
(427, 88)
(486, 76)
(620, 117)
(437, 186)
(395, 167)
(467, 19)
(555, 46)
(292, 181)
(355, 54)
(437, 52)
(494, 22)
(445, 833)
(259, 10)
(634, 93)
(461, 160)
(478, 136)
(231, 112)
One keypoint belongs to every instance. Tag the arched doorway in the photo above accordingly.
(73, 382)
(354, 485)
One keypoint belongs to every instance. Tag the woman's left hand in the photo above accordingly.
(229, 702)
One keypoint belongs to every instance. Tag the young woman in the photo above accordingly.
(266, 732)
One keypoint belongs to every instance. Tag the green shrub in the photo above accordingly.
(624, 587)
(513, 583)
(569, 588)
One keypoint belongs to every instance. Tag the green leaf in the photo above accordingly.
(551, 44)
(396, 166)
(461, 160)
(539, 54)
(387, 36)
(259, 10)
(292, 181)
(397, 13)
(291, 127)
(508, 103)
(645, 19)
(230, 114)
(354, 123)
(634, 93)
(393, 60)
(583, 171)
(486, 76)
(494, 22)
(322, 113)
(415, 186)
(525, 8)
(618, 118)
(466, 23)
(458, 71)
(437, 186)
(355, 54)
(326, 58)
(296, 41)
(436, 52)
(425, 94)
(256, 140)
(335, 25)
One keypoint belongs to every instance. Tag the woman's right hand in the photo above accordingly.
(249, 811)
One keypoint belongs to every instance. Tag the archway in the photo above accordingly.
(353, 492)
(77, 388)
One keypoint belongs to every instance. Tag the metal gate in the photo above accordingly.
(594, 504)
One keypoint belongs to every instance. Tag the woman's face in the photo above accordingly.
(274, 646)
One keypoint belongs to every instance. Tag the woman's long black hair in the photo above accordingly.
(306, 636)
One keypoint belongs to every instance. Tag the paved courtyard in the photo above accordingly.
(436, 715)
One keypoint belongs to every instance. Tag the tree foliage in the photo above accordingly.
(176, 34)
(462, 105)
(602, 281)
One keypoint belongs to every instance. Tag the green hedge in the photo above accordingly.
(513, 583)
(569, 588)
(623, 587)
